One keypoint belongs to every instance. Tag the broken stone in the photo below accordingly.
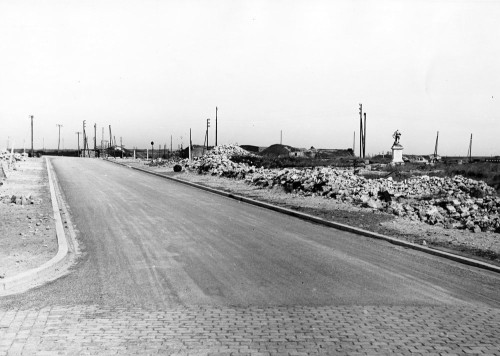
(435, 200)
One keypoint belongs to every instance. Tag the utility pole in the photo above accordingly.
(121, 145)
(436, 146)
(59, 139)
(205, 142)
(360, 130)
(78, 133)
(469, 154)
(216, 109)
(190, 143)
(95, 137)
(208, 125)
(85, 139)
(364, 137)
(32, 152)
(110, 137)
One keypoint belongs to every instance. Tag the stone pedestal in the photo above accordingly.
(397, 154)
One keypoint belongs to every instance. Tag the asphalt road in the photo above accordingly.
(150, 242)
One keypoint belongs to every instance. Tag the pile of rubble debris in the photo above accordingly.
(218, 162)
(456, 202)
(6, 155)
(19, 199)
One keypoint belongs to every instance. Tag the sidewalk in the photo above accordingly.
(27, 232)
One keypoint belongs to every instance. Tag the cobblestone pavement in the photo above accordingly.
(348, 330)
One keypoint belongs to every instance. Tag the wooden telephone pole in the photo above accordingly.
(190, 147)
(436, 146)
(469, 153)
(364, 137)
(362, 133)
(110, 137)
(360, 130)
(78, 134)
(208, 125)
(59, 139)
(32, 152)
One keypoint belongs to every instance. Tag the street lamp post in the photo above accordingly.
(152, 151)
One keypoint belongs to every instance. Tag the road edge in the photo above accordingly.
(335, 225)
(63, 253)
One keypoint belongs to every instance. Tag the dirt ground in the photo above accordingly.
(483, 246)
(27, 232)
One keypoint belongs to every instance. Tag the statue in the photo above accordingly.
(397, 149)
(396, 136)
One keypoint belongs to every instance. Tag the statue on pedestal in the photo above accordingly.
(397, 149)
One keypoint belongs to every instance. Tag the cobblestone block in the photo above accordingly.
(94, 330)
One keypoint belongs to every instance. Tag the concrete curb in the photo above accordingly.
(55, 262)
(315, 219)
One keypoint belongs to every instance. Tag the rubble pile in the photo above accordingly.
(456, 202)
(19, 199)
(5, 155)
(218, 162)
(228, 151)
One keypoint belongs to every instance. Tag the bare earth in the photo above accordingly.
(483, 246)
(27, 232)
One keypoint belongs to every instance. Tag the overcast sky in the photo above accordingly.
(152, 69)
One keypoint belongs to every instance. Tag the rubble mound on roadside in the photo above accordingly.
(228, 151)
(19, 199)
(456, 202)
(218, 162)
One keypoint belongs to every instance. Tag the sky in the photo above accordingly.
(296, 69)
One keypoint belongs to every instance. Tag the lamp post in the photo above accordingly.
(152, 151)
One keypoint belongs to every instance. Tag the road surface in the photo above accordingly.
(157, 251)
